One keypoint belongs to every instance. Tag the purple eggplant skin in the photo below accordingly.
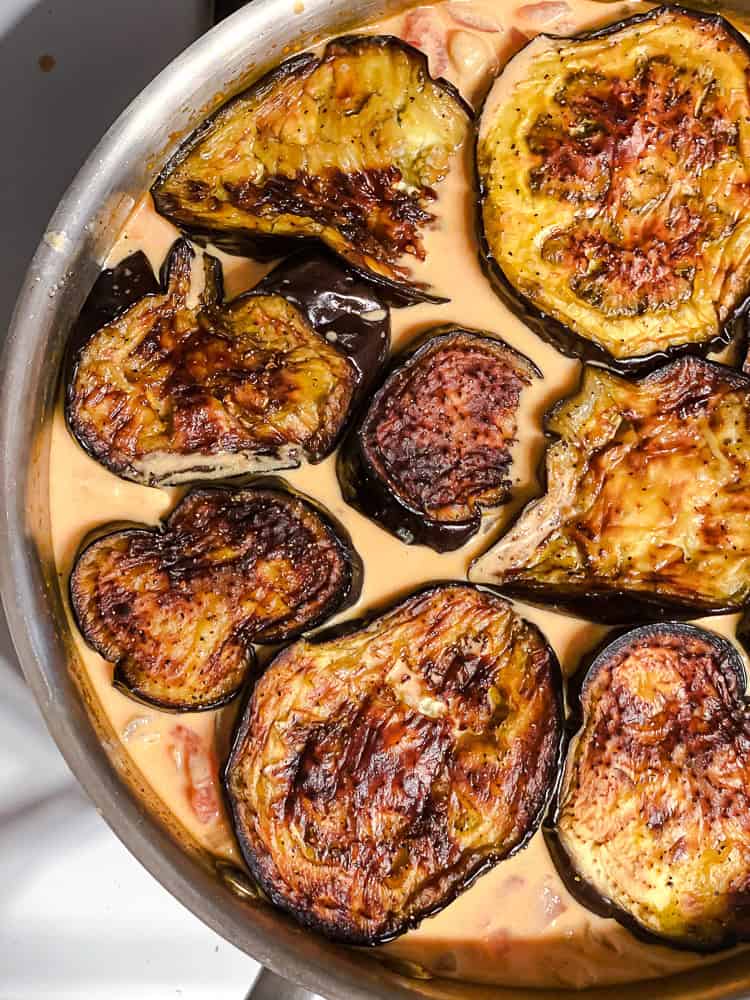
(551, 330)
(743, 631)
(349, 312)
(281, 632)
(263, 246)
(366, 491)
(619, 608)
(575, 881)
(303, 915)
(743, 341)
(610, 607)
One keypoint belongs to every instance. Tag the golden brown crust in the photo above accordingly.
(167, 393)
(614, 170)
(654, 813)
(376, 773)
(439, 432)
(625, 164)
(177, 611)
(647, 499)
(346, 148)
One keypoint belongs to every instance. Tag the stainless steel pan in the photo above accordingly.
(60, 276)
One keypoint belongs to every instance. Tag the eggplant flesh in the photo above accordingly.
(346, 148)
(374, 774)
(168, 392)
(613, 172)
(434, 447)
(647, 500)
(176, 610)
(651, 824)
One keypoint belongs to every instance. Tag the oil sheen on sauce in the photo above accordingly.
(516, 925)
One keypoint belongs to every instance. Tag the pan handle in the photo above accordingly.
(269, 986)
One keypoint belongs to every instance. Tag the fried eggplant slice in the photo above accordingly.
(168, 393)
(346, 148)
(614, 170)
(376, 773)
(176, 610)
(647, 508)
(434, 446)
(652, 823)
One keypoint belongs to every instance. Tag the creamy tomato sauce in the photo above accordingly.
(516, 925)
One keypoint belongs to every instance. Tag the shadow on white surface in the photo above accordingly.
(79, 916)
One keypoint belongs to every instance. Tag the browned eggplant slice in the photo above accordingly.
(647, 503)
(376, 773)
(168, 393)
(176, 610)
(434, 446)
(613, 170)
(346, 148)
(652, 825)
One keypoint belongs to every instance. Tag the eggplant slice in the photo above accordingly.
(168, 393)
(434, 446)
(647, 509)
(176, 609)
(652, 823)
(346, 148)
(376, 773)
(614, 170)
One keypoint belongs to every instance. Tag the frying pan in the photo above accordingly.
(60, 276)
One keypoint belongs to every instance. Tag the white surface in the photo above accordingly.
(79, 917)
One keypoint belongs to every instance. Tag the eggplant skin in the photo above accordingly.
(434, 446)
(346, 148)
(376, 773)
(651, 821)
(612, 172)
(645, 513)
(167, 393)
(115, 290)
(176, 609)
(349, 312)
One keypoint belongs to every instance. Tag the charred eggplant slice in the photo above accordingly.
(613, 170)
(168, 393)
(376, 773)
(346, 148)
(176, 610)
(651, 824)
(434, 446)
(647, 502)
